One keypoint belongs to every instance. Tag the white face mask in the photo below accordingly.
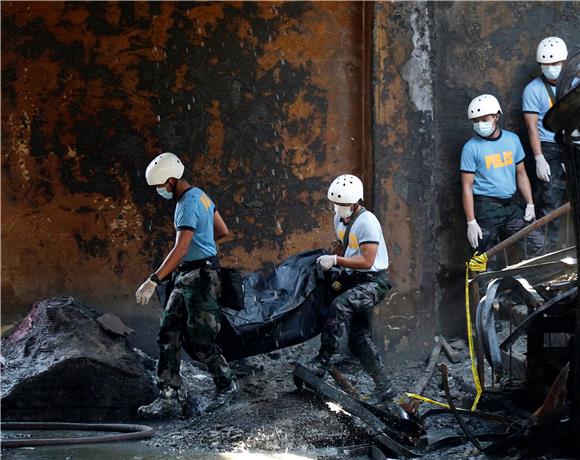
(164, 193)
(552, 72)
(484, 128)
(342, 211)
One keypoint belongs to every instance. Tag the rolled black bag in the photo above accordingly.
(232, 289)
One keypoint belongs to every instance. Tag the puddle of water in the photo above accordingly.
(139, 450)
(133, 450)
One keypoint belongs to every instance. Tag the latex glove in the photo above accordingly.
(474, 233)
(327, 261)
(542, 168)
(145, 291)
(530, 213)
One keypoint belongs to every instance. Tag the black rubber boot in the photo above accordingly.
(223, 397)
(167, 405)
(384, 391)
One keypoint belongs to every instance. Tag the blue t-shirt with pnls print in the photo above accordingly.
(194, 211)
(493, 162)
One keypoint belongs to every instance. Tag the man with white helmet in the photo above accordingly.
(492, 168)
(539, 95)
(192, 315)
(362, 254)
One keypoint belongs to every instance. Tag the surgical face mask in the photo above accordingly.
(164, 193)
(342, 211)
(552, 72)
(484, 128)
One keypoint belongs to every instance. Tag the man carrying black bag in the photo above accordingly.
(362, 253)
(192, 313)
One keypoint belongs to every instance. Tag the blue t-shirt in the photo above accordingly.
(537, 100)
(494, 163)
(194, 211)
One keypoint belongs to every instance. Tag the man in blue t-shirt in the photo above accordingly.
(539, 95)
(192, 314)
(492, 169)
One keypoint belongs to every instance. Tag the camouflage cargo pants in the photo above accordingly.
(353, 309)
(191, 319)
(551, 195)
(499, 221)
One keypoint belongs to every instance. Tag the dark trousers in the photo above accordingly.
(499, 219)
(353, 311)
(551, 195)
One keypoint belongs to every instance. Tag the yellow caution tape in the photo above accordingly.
(478, 263)
(427, 400)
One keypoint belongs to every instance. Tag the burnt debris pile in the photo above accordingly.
(67, 362)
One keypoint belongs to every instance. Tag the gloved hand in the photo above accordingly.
(542, 168)
(530, 213)
(327, 261)
(145, 291)
(474, 233)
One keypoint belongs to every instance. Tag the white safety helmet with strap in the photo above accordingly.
(346, 189)
(163, 167)
(486, 104)
(550, 50)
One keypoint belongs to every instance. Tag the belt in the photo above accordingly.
(365, 275)
(190, 265)
(493, 199)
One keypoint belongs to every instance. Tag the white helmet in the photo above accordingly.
(346, 189)
(486, 104)
(551, 49)
(163, 167)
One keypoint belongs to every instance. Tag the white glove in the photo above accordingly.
(530, 213)
(327, 262)
(145, 291)
(474, 233)
(542, 168)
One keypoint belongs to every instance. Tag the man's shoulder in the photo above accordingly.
(190, 197)
(472, 144)
(367, 218)
(535, 85)
(510, 136)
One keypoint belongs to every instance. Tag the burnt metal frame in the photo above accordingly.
(502, 247)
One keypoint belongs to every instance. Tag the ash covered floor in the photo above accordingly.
(271, 419)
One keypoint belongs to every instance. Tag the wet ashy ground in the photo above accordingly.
(271, 419)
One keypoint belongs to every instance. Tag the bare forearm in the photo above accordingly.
(171, 261)
(356, 262)
(534, 136)
(525, 188)
(468, 205)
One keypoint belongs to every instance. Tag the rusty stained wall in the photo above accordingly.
(429, 60)
(261, 100)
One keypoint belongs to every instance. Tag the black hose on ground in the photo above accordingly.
(127, 433)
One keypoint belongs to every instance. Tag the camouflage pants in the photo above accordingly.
(551, 195)
(499, 221)
(191, 319)
(353, 309)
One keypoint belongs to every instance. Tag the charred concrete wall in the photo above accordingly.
(480, 47)
(265, 102)
(261, 100)
(429, 60)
